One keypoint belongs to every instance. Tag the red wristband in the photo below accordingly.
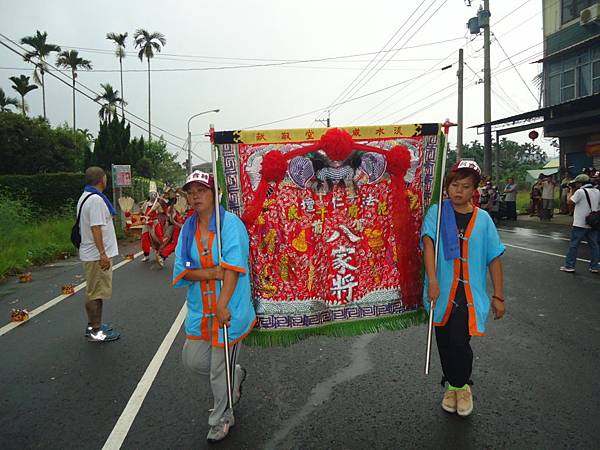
(498, 298)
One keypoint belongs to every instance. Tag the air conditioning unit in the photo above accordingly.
(590, 15)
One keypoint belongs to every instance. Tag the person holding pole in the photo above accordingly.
(455, 280)
(213, 308)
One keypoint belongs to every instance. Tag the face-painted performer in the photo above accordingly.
(209, 304)
(469, 246)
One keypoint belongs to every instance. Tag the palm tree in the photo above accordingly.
(71, 59)
(148, 43)
(22, 86)
(40, 51)
(111, 99)
(119, 39)
(6, 101)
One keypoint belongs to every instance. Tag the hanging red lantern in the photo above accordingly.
(533, 135)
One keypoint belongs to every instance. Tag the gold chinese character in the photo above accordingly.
(382, 209)
(293, 213)
(353, 211)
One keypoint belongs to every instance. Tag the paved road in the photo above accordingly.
(535, 373)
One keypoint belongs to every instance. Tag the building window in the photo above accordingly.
(572, 8)
(573, 76)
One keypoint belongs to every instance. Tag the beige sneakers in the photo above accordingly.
(464, 401)
(449, 401)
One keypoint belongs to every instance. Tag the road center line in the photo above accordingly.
(121, 428)
(556, 238)
(40, 309)
(542, 251)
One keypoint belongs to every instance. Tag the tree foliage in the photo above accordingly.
(30, 146)
(147, 159)
(515, 159)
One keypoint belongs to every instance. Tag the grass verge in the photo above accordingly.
(34, 243)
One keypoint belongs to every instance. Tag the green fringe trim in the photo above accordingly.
(284, 338)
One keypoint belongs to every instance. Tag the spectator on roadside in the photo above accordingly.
(98, 246)
(510, 198)
(536, 198)
(547, 198)
(494, 204)
(586, 199)
(564, 192)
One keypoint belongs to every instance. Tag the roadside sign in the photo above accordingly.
(121, 175)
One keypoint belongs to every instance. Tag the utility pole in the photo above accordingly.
(484, 22)
(326, 121)
(459, 135)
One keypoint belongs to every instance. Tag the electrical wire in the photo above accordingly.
(68, 83)
(376, 70)
(80, 84)
(349, 86)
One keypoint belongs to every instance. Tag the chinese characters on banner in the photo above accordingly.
(323, 248)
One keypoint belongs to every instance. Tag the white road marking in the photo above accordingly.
(121, 428)
(542, 251)
(556, 238)
(40, 309)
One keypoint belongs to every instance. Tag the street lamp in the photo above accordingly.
(190, 136)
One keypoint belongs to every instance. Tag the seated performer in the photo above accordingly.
(209, 304)
(470, 244)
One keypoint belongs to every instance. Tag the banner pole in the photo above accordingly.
(214, 156)
(437, 244)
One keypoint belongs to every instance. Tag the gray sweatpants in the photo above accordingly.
(201, 358)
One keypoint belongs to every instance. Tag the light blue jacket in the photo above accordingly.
(202, 296)
(481, 245)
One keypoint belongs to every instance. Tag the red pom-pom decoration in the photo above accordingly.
(337, 144)
(274, 166)
(398, 161)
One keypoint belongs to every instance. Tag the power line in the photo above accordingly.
(516, 70)
(358, 88)
(80, 84)
(68, 83)
(320, 109)
(276, 63)
(512, 12)
(349, 86)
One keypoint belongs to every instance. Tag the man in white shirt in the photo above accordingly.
(547, 198)
(98, 246)
(510, 198)
(581, 230)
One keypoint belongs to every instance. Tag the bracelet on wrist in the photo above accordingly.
(500, 299)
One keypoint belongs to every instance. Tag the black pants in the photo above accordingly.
(511, 210)
(453, 342)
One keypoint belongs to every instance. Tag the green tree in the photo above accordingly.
(111, 99)
(6, 101)
(164, 164)
(119, 40)
(30, 146)
(515, 159)
(22, 86)
(148, 43)
(70, 59)
(41, 49)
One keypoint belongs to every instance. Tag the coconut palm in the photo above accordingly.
(6, 101)
(111, 99)
(70, 59)
(41, 50)
(119, 39)
(148, 43)
(22, 86)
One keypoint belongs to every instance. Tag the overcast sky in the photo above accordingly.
(233, 33)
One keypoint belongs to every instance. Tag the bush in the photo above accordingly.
(31, 146)
(47, 193)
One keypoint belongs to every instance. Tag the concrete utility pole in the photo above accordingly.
(459, 134)
(484, 22)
